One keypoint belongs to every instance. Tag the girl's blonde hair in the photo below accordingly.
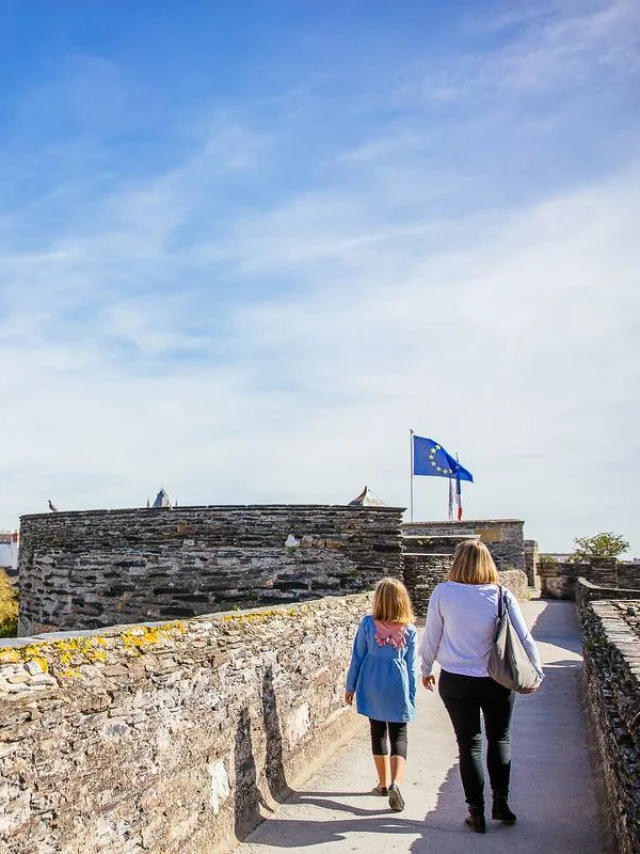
(391, 603)
(473, 564)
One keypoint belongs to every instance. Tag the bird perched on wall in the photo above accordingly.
(53, 507)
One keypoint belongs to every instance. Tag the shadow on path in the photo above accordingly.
(549, 768)
(555, 624)
(551, 788)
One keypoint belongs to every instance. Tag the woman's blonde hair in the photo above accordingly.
(473, 564)
(391, 603)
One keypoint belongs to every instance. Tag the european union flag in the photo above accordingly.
(430, 458)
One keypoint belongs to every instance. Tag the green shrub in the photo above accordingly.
(8, 607)
(605, 545)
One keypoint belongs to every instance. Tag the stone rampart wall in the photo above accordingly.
(421, 574)
(558, 578)
(503, 537)
(93, 569)
(586, 591)
(172, 738)
(611, 673)
(532, 563)
(515, 581)
(423, 571)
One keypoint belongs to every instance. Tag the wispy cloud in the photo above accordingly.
(555, 48)
(248, 320)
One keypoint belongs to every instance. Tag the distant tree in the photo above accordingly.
(602, 545)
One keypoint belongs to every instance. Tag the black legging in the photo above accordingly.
(397, 736)
(464, 697)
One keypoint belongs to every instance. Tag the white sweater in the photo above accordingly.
(461, 624)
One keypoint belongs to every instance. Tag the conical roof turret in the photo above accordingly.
(366, 499)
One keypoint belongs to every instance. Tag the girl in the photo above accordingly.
(461, 623)
(382, 675)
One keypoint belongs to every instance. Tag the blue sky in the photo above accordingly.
(245, 247)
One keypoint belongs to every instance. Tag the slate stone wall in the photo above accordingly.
(421, 574)
(611, 673)
(423, 571)
(503, 537)
(558, 578)
(532, 563)
(172, 738)
(93, 569)
(628, 574)
(515, 581)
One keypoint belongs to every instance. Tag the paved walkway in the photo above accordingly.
(552, 792)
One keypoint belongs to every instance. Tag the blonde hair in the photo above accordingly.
(391, 603)
(473, 564)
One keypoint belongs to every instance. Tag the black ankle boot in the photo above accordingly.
(500, 810)
(475, 819)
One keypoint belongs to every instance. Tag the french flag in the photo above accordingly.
(459, 498)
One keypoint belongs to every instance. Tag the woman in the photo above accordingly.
(461, 624)
(382, 675)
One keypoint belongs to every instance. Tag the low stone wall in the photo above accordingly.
(515, 581)
(532, 563)
(628, 574)
(421, 574)
(558, 578)
(611, 680)
(503, 537)
(85, 570)
(171, 738)
(585, 591)
(423, 571)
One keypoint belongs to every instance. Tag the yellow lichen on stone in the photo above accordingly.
(259, 616)
(148, 635)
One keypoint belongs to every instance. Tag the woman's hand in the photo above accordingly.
(429, 682)
(531, 690)
(348, 698)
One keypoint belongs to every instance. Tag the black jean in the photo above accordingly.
(464, 698)
(397, 736)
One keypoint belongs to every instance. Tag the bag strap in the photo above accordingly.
(500, 601)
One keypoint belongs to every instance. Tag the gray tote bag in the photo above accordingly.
(509, 663)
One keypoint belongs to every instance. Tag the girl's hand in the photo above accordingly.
(348, 698)
(429, 682)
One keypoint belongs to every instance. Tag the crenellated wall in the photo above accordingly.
(100, 568)
(170, 738)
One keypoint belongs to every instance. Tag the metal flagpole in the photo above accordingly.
(411, 469)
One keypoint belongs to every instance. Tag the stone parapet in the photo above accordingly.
(98, 568)
(515, 581)
(558, 578)
(503, 537)
(423, 571)
(421, 574)
(170, 737)
(532, 563)
(611, 680)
